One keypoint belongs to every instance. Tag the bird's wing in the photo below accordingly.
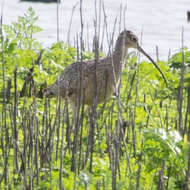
(70, 79)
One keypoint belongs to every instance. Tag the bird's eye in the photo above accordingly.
(134, 39)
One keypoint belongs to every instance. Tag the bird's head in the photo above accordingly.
(130, 39)
(127, 39)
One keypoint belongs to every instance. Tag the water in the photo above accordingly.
(161, 21)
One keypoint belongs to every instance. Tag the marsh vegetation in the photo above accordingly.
(138, 139)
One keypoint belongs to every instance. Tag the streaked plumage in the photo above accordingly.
(106, 71)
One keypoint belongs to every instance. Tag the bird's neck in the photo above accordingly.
(120, 50)
(119, 55)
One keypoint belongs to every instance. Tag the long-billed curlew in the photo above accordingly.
(106, 71)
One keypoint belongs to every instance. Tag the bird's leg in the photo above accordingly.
(75, 111)
(74, 115)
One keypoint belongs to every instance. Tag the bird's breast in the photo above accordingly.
(100, 87)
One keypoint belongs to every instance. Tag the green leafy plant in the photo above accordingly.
(22, 32)
(136, 142)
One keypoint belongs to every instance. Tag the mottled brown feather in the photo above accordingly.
(107, 72)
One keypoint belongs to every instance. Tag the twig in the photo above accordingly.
(70, 23)
(181, 86)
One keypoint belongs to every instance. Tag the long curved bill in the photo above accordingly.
(157, 67)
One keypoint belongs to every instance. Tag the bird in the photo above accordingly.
(96, 78)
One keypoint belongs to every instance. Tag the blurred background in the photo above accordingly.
(161, 21)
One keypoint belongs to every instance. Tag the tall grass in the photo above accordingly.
(131, 141)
